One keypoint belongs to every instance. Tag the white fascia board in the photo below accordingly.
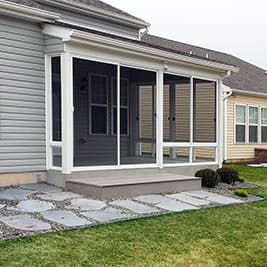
(94, 39)
(252, 93)
(57, 31)
(98, 12)
(26, 12)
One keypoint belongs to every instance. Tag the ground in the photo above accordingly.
(221, 236)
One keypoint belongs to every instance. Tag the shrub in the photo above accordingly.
(241, 180)
(228, 175)
(241, 192)
(209, 177)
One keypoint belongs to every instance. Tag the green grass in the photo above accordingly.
(223, 236)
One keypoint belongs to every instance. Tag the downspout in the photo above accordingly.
(226, 95)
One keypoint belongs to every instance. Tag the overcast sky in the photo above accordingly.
(238, 27)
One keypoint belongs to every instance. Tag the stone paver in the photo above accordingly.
(15, 194)
(189, 200)
(151, 199)
(134, 206)
(25, 223)
(42, 188)
(32, 206)
(64, 217)
(106, 215)
(2, 206)
(59, 196)
(85, 204)
(222, 200)
(200, 194)
(175, 206)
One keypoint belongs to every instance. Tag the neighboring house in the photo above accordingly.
(65, 68)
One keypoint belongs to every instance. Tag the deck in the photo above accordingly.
(118, 184)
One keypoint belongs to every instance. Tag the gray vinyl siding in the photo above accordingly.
(22, 96)
(53, 45)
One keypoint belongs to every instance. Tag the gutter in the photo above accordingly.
(26, 12)
(94, 39)
(98, 12)
(253, 93)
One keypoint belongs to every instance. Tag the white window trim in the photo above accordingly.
(253, 124)
(97, 105)
(243, 124)
(262, 124)
(115, 106)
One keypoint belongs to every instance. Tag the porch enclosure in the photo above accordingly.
(168, 120)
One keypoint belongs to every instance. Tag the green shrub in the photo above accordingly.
(228, 175)
(241, 192)
(209, 177)
(241, 180)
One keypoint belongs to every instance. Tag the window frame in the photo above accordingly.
(97, 105)
(262, 124)
(243, 124)
(252, 124)
(113, 106)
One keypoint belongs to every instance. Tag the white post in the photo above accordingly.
(67, 112)
(118, 115)
(191, 152)
(220, 123)
(160, 85)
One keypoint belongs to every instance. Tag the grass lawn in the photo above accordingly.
(223, 236)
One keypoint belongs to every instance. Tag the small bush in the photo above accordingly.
(228, 175)
(209, 177)
(241, 180)
(241, 192)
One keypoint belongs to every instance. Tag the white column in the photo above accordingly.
(118, 115)
(191, 152)
(220, 123)
(160, 85)
(67, 112)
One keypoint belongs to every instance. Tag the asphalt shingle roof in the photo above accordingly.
(249, 77)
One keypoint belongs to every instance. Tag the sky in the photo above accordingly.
(238, 27)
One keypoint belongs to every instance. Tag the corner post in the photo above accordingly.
(67, 112)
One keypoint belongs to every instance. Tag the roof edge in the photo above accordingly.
(138, 23)
(27, 12)
(249, 92)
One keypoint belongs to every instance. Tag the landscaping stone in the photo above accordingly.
(200, 194)
(222, 200)
(2, 206)
(32, 206)
(25, 223)
(15, 194)
(109, 214)
(42, 188)
(66, 218)
(175, 206)
(59, 196)
(189, 200)
(134, 206)
(151, 199)
(85, 204)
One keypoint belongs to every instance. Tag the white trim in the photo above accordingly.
(262, 124)
(118, 115)
(27, 12)
(99, 12)
(67, 112)
(177, 144)
(249, 92)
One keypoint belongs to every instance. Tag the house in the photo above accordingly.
(90, 101)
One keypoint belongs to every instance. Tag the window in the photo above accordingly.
(124, 106)
(240, 123)
(98, 104)
(264, 125)
(253, 124)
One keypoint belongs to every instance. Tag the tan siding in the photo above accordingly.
(240, 151)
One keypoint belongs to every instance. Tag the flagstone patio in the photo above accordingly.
(31, 209)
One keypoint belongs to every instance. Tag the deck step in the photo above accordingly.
(108, 185)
